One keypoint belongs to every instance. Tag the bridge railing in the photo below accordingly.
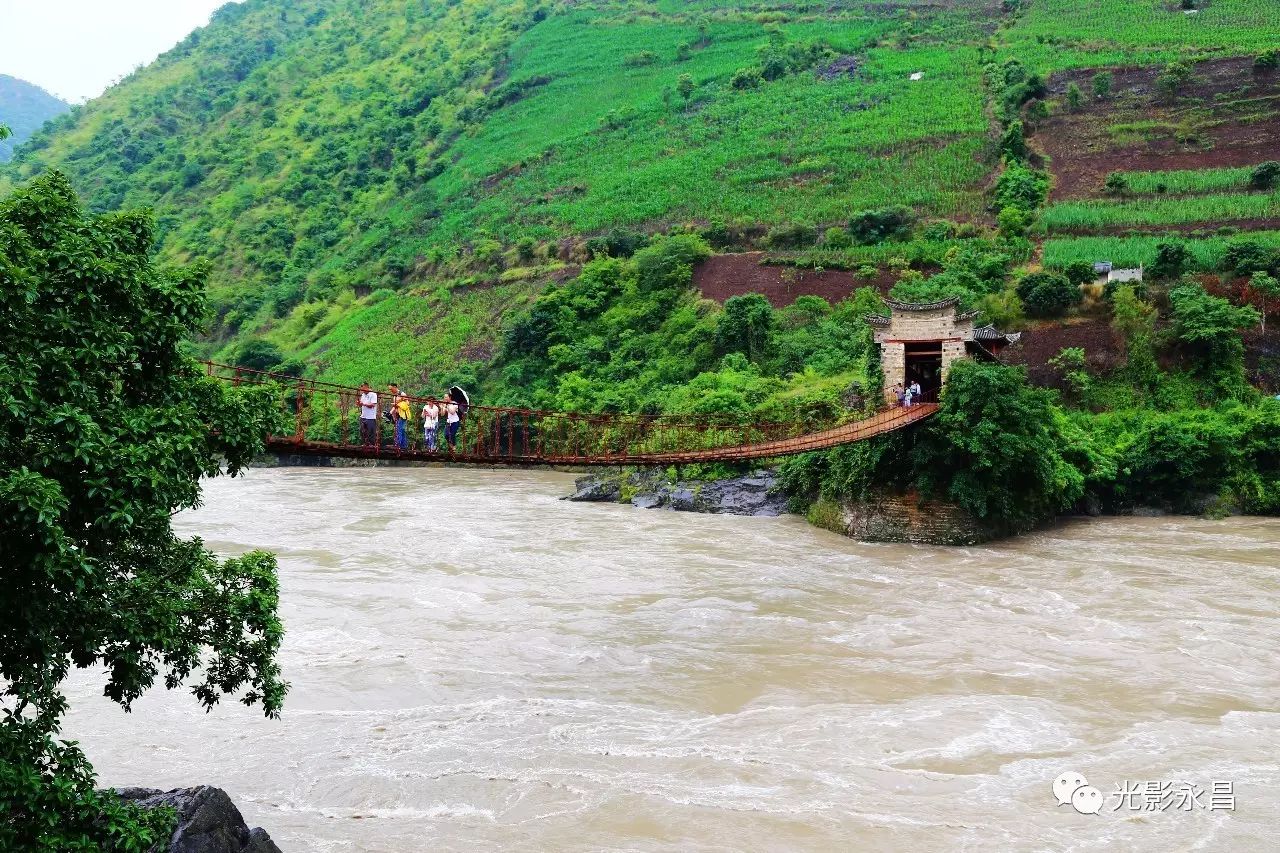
(326, 415)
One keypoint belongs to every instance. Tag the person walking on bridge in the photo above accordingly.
(400, 414)
(453, 421)
(368, 415)
(915, 391)
(430, 423)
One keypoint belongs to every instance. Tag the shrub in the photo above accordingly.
(1265, 176)
(1101, 84)
(745, 326)
(789, 236)
(488, 252)
(258, 354)
(1171, 261)
(1245, 257)
(1079, 272)
(1116, 184)
(836, 238)
(1075, 98)
(875, 226)
(1022, 186)
(939, 230)
(637, 60)
(683, 51)
(1267, 61)
(745, 78)
(1013, 221)
(1047, 294)
(1014, 142)
(1171, 79)
(684, 85)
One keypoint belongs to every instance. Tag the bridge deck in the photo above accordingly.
(884, 422)
(325, 422)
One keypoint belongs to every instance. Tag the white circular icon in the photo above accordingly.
(1065, 785)
(1087, 800)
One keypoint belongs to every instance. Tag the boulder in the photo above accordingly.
(208, 822)
(755, 494)
(597, 488)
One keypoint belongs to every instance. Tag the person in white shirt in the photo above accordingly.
(430, 423)
(368, 415)
(452, 422)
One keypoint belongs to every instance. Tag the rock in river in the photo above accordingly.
(208, 822)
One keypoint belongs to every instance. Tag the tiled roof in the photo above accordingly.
(921, 306)
(991, 333)
(876, 319)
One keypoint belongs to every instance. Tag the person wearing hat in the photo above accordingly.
(368, 415)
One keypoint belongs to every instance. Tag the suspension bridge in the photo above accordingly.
(324, 421)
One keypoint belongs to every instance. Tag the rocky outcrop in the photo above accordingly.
(888, 516)
(756, 493)
(208, 822)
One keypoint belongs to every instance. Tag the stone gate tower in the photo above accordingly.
(919, 341)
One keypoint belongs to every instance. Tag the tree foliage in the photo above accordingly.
(105, 431)
(1047, 294)
(997, 446)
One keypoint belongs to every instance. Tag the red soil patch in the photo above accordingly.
(1225, 116)
(722, 276)
(1102, 348)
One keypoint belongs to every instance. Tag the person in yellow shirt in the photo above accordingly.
(400, 414)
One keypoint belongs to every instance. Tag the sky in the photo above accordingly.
(76, 48)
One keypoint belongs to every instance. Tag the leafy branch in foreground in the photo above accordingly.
(106, 428)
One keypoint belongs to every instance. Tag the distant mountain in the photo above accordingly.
(24, 107)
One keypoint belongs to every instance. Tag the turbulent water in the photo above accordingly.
(477, 665)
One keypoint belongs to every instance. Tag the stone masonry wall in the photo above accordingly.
(903, 517)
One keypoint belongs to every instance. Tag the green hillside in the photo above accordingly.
(343, 162)
(23, 108)
(312, 148)
(515, 195)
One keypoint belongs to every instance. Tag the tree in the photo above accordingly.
(1265, 176)
(994, 447)
(105, 431)
(1210, 328)
(1135, 321)
(745, 78)
(1013, 221)
(1047, 294)
(1268, 286)
(258, 354)
(1014, 141)
(1172, 260)
(886, 223)
(1101, 84)
(684, 85)
(746, 325)
(1171, 79)
(1267, 61)
(1075, 98)
(1079, 272)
